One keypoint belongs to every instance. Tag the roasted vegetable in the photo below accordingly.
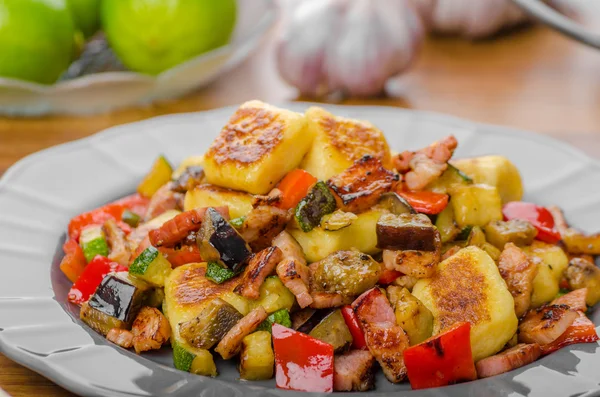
(131, 218)
(337, 220)
(217, 273)
(302, 362)
(73, 263)
(584, 274)
(360, 187)
(358, 336)
(477, 238)
(414, 318)
(99, 321)
(339, 142)
(426, 202)
(257, 359)
(91, 277)
(175, 230)
(407, 232)
(495, 171)
(202, 196)
(219, 241)
(443, 360)
(293, 187)
(191, 177)
(194, 360)
(540, 217)
(516, 231)
(552, 262)
(159, 174)
(333, 330)
(93, 242)
(452, 176)
(210, 325)
(582, 330)
(475, 205)
(119, 296)
(151, 266)
(579, 243)
(274, 296)
(395, 204)
(188, 162)
(468, 287)
(348, 273)
(314, 206)
(360, 235)
(240, 303)
(446, 225)
(545, 285)
(281, 316)
(257, 147)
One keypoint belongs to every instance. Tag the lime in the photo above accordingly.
(86, 15)
(36, 39)
(150, 36)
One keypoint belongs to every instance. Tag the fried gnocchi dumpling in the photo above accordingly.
(257, 147)
(468, 287)
(339, 142)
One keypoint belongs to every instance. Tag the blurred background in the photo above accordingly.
(70, 68)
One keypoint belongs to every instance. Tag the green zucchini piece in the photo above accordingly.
(452, 176)
(464, 233)
(281, 316)
(151, 266)
(446, 225)
(317, 203)
(156, 298)
(237, 222)
(93, 242)
(211, 325)
(337, 220)
(333, 330)
(159, 174)
(131, 218)
(196, 361)
(217, 273)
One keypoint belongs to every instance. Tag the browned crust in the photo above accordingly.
(359, 187)
(260, 266)
(251, 134)
(192, 288)
(460, 293)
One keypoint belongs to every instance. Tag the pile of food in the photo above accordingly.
(300, 246)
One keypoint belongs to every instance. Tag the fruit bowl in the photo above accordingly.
(101, 92)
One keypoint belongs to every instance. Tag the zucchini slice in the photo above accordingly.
(131, 218)
(151, 266)
(159, 174)
(317, 203)
(281, 316)
(452, 176)
(217, 273)
(194, 360)
(93, 242)
(333, 330)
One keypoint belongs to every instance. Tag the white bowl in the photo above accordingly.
(102, 92)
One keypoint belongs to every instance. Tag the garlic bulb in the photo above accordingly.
(350, 46)
(470, 18)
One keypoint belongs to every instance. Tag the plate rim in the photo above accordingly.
(48, 370)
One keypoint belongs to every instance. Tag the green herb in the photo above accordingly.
(237, 222)
(281, 316)
(130, 218)
(217, 273)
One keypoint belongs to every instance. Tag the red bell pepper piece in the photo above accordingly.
(582, 330)
(388, 276)
(441, 360)
(426, 202)
(134, 203)
(91, 278)
(73, 263)
(358, 336)
(302, 362)
(294, 186)
(539, 217)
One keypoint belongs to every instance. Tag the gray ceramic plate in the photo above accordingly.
(41, 193)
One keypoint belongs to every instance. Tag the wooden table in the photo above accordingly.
(533, 79)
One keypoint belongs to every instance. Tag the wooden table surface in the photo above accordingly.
(532, 79)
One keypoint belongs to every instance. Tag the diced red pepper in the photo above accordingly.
(538, 216)
(182, 255)
(388, 276)
(441, 360)
(358, 336)
(426, 202)
(302, 362)
(91, 278)
(294, 186)
(582, 330)
(176, 229)
(114, 210)
(73, 263)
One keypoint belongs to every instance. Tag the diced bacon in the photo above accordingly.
(516, 357)
(353, 371)
(290, 247)
(177, 229)
(518, 271)
(232, 341)
(546, 324)
(294, 276)
(150, 330)
(163, 200)
(574, 299)
(260, 266)
(121, 337)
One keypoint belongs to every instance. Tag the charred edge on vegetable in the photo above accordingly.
(395, 203)
(118, 298)
(406, 232)
(311, 208)
(436, 344)
(189, 179)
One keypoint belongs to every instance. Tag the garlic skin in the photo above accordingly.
(472, 19)
(348, 46)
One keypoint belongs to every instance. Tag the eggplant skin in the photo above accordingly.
(98, 321)
(120, 297)
(211, 325)
(233, 249)
(406, 232)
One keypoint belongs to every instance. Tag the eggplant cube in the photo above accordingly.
(406, 232)
(211, 325)
(219, 241)
(120, 296)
